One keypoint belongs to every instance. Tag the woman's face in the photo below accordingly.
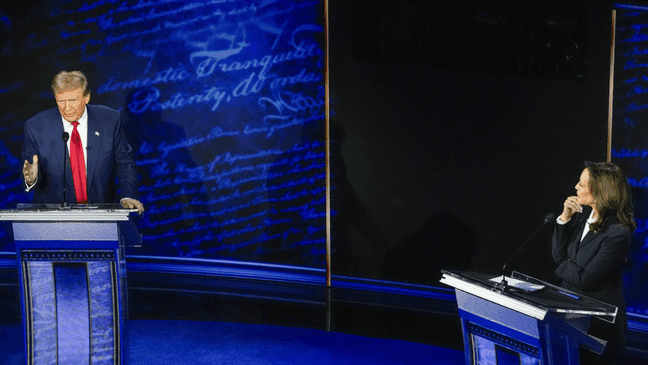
(583, 189)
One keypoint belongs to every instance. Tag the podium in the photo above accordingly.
(73, 281)
(532, 322)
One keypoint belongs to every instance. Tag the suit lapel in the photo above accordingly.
(590, 235)
(56, 124)
(59, 154)
(94, 145)
(581, 227)
(587, 239)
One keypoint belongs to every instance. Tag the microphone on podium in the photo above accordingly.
(503, 285)
(65, 137)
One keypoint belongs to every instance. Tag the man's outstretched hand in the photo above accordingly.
(30, 171)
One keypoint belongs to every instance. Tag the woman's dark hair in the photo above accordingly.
(611, 190)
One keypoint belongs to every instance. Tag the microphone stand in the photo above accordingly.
(503, 285)
(65, 137)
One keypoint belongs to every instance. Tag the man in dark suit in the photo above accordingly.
(98, 149)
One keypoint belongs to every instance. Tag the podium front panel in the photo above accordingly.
(494, 334)
(72, 291)
(514, 326)
(487, 351)
(64, 231)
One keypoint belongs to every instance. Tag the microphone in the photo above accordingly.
(502, 286)
(65, 137)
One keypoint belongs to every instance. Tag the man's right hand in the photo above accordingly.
(30, 171)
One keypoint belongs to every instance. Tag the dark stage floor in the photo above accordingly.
(274, 323)
(191, 342)
(186, 319)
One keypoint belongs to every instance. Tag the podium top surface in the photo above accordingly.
(75, 213)
(549, 299)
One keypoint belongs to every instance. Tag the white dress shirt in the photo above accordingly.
(83, 133)
(590, 220)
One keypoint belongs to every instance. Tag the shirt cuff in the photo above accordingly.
(560, 221)
(29, 187)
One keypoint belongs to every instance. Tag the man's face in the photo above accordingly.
(71, 103)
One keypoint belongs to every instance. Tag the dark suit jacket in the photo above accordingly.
(108, 152)
(594, 266)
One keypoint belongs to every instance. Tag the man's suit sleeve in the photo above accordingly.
(125, 164)
(29, 149)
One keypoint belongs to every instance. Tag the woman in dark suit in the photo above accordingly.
(590, 244)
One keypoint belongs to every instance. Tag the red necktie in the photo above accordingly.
(78, 166)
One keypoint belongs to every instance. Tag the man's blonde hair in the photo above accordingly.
(70, 80)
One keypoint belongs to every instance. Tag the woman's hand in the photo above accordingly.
(570, 206)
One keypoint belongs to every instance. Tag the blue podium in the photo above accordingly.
(73, 282)
(528, 322)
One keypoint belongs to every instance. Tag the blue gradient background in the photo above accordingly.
(225, 107)
(629, 138)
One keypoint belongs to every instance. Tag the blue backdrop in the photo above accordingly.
(225, 106)
(630, 138)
